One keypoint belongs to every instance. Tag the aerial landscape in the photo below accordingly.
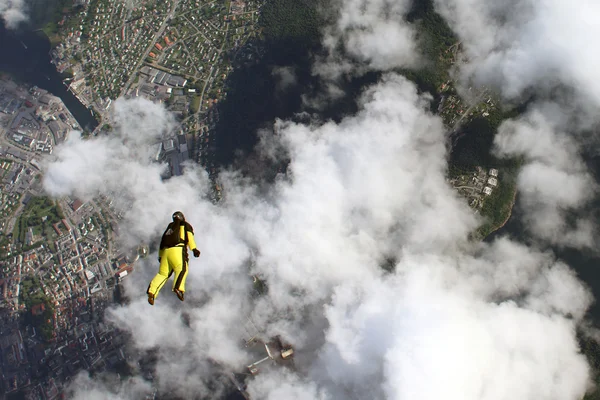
(390, 199)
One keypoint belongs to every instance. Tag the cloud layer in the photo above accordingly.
(448, 319)
(525, 44)
(368, 35)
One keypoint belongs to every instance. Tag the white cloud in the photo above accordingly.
(281, 384)
(368, 34)
(13, 12)
(286, 77)
(428, 333)
(522, 44)
(554, 180)
(122, 166)
(459, 319)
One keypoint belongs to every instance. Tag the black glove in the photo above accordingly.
(158, 259)
(196, 253)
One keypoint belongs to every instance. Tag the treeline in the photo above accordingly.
(434, 38)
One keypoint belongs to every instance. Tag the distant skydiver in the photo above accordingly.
(173, 257)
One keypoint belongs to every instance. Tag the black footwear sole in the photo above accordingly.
(179, 294)
(151, 299)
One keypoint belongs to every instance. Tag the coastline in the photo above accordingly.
(32, 64)
(512, 204)
(54, 40)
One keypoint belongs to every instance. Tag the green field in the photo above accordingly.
(195, 104)
(39, 214)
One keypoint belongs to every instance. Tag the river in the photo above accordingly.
(25, 56)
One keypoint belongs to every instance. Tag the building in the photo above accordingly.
(45, 99)
(23, 140)
(183, 148)
(96, 289)
(8, 104)
(487, 190)
(76, 205)
(149, 91)
(56, 229)
(26, 199)
(56, 131)
(66, 224)
(38, 309)
(168, 145)
(163, 78)
(493, 182)
(494, 172)
(17, 154)
(176, 81)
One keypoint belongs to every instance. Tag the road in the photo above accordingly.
(471, 188)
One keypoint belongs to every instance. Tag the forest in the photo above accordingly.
(291, 21)
(435, 37)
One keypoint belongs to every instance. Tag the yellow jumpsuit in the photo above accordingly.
(173, 260)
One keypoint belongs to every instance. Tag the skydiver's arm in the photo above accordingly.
(160, 253)
(191, 241)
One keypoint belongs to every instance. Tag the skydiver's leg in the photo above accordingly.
(181, 271)
(159, 280)
(179, 281)
(174, 257)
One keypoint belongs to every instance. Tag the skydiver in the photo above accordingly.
(173, 257)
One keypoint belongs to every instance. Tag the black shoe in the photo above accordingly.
(179, 294)
(151, 299)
